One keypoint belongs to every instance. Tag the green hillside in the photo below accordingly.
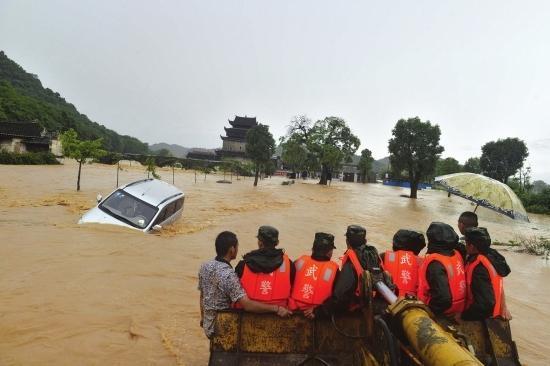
(23, 98)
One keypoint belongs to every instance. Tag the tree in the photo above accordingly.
(260, 146)
(163, 152)
(538, 186)
(333, 143)
(295, 154)
(365, 164)
(447, 166)
(415, 149)
(503, 158)
(330, 142)
(472, 166)
(269, 168)
(524, 178)
(80, 150)
(151, 167)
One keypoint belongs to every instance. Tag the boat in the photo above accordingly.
(386, 331)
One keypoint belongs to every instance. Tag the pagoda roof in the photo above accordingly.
(243, 122)
(235, 132)
(21, 129)
(231, 138)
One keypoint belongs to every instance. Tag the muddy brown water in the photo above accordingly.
(102, 295)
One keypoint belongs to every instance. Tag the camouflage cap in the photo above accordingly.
(356, 231)
(479, 237)
(268, 234)
(323, 241)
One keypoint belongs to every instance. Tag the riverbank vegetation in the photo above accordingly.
(535, 245)
(28, 158)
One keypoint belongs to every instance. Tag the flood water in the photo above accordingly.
(102, 295)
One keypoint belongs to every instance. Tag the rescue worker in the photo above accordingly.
(442, 279)
(485, 269)
(403, 262)
(358, 257)
(468, 220)
(315, 274)
(220, 287)
(267, 273)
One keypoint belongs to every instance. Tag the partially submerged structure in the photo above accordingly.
(202, 154)
(20, 137)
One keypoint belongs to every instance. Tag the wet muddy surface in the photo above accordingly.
(97, 295)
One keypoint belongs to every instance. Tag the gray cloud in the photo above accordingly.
(174, 71)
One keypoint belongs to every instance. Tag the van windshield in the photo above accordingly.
(129, 209)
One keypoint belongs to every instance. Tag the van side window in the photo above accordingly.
(166, 212)
(170, 209)
(179, 204)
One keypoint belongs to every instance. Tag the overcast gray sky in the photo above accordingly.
(175, 71)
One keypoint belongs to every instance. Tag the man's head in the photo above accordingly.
(466, 220)
(478, 240)
(268, 237)
(323, 245)
(409, 240)
(356, 236)
(227, 245)
(442, 236)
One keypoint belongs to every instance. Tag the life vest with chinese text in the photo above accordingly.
(496, 282)
(313, 282)
(403, 266)
(454, 267)
(269, 288)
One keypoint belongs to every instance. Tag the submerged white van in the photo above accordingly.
(145, 205)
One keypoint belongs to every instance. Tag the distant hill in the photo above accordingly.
(23, 98)
(176, 150)
(381, 165)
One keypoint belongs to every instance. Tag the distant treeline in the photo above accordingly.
(235, 166)
(23, 98)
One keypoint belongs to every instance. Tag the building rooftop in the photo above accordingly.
(21, 129)
(246, 122)
(236, 132)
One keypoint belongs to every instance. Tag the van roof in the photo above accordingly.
(152, 191)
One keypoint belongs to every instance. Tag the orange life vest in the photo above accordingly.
(270, 288)
(313, 282)
(454, 266)
(496, 282)
(403, 266)
(350, 255)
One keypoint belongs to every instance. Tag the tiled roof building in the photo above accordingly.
(234, 141)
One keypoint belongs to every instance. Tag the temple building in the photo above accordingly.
(20, 137)
(234, 141)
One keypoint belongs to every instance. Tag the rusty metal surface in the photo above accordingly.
(492, 341)
(262, 359)
(264, 339)
(271, 334)
(504, 350)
